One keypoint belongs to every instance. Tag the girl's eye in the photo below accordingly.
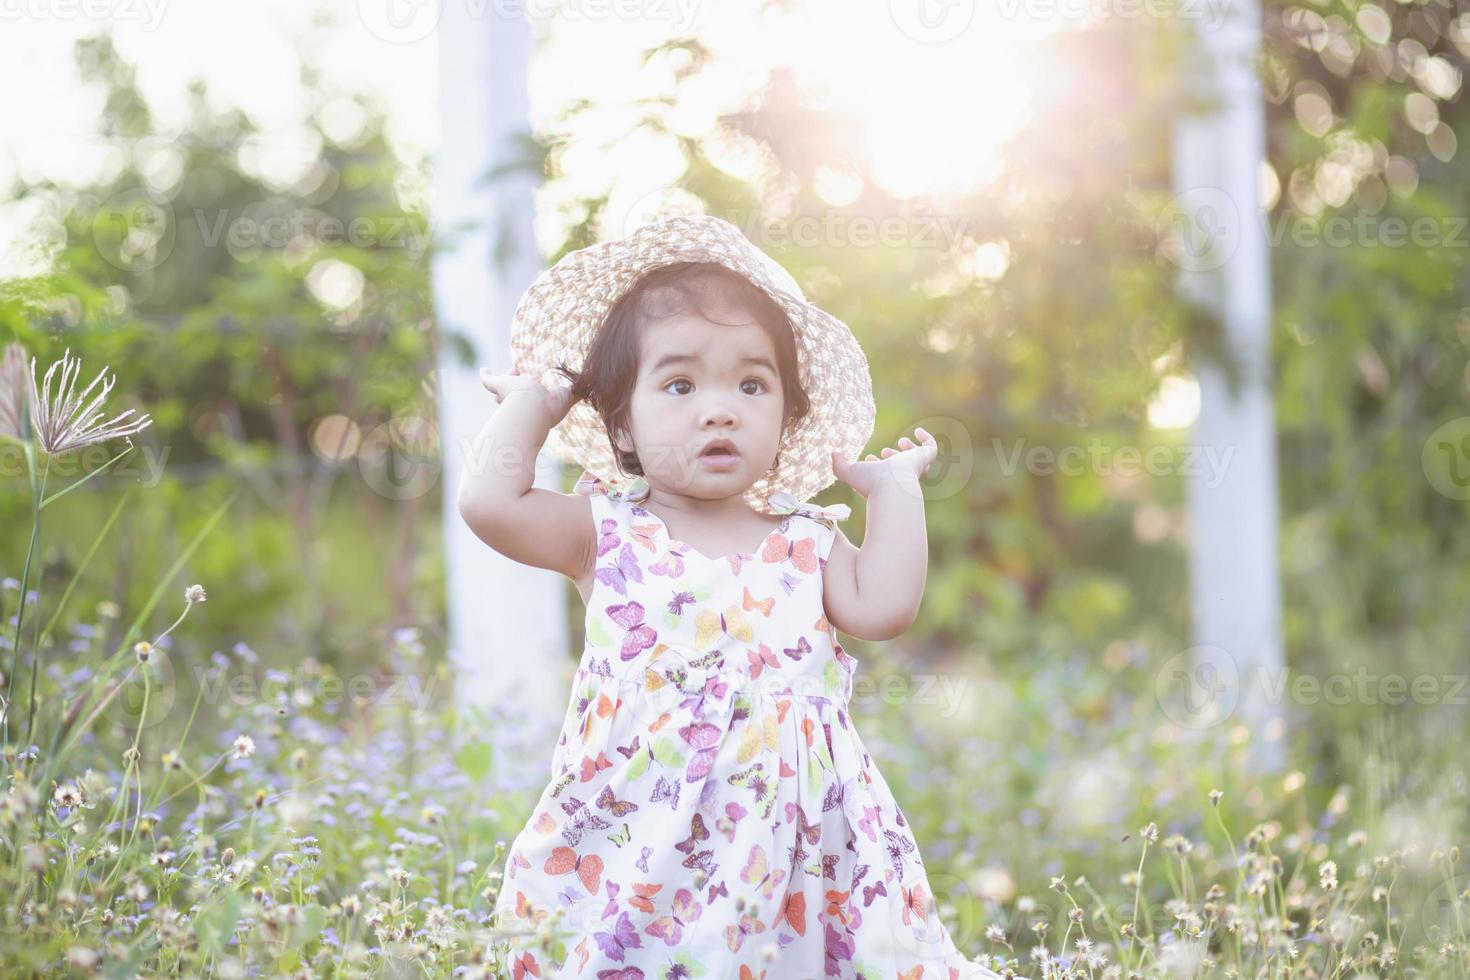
(757, 381)
(677, 381)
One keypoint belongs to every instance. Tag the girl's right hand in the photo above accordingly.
(556, 401)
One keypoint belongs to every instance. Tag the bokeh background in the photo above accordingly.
(229, 206)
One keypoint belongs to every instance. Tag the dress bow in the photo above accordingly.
(782, 502)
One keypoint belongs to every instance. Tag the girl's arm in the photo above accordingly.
(873, 593)
(531, 525)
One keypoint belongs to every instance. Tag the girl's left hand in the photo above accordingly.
(903, 465)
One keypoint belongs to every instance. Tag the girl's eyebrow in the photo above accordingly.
(759, 360)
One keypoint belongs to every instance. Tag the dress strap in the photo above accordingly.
(590, 484)
(782, 502)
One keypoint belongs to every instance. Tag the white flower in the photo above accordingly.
(194, 593)
(13, 382)
(244, 746)
(60, 420)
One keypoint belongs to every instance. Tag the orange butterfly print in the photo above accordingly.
(761, 660)
(591, 766)
(802, 553)
(917, 973)
(837, 905)
(525, 966)
(643, 534)
(645, 891)
(913, 900)
(525, 909)
(745, 973)
(751, 602)
(749, 925)
(564, 860)
(793, 910)
(518, 860)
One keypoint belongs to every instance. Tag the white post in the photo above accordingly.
(508, 643)
(1234, 575)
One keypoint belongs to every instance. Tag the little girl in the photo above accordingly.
(712, 811)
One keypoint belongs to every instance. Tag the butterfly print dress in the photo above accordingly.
(712, 811)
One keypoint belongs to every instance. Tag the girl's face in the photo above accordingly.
(700, 380)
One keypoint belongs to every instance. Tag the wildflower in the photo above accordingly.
(67, 795)
(12, 390)
(995, 933)
(194, 593)
(171, 761)
(244, 745)
(1357, 838)
(143, 650)
(1327, 875)
(1215, 795)
(1150, 833)
(62, 423)
(1058, 883)
(83, 958)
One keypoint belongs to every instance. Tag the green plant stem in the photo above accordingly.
(38, 487)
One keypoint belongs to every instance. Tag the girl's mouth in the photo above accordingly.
(719, 459)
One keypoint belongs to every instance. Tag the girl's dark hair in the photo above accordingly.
(610, 370)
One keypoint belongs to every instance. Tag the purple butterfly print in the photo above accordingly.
(666, 789)
(811, 831)
(838, 950)
(801, 649)
(873, 891)
(628, 751)
(618, 576)
(714, 687)
(899, 847)
(622, 938)
(642, 861)
(704, 739)
(679, 601)
(629, 616)
(582, 820)
(609, 538)
(631, 973)
(789, 582)
(715, 891)
(829, 865)
(611, 908)
(703, 861)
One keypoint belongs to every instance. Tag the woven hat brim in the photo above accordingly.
(562, 311)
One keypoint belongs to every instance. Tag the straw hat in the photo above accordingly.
(567, 304)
